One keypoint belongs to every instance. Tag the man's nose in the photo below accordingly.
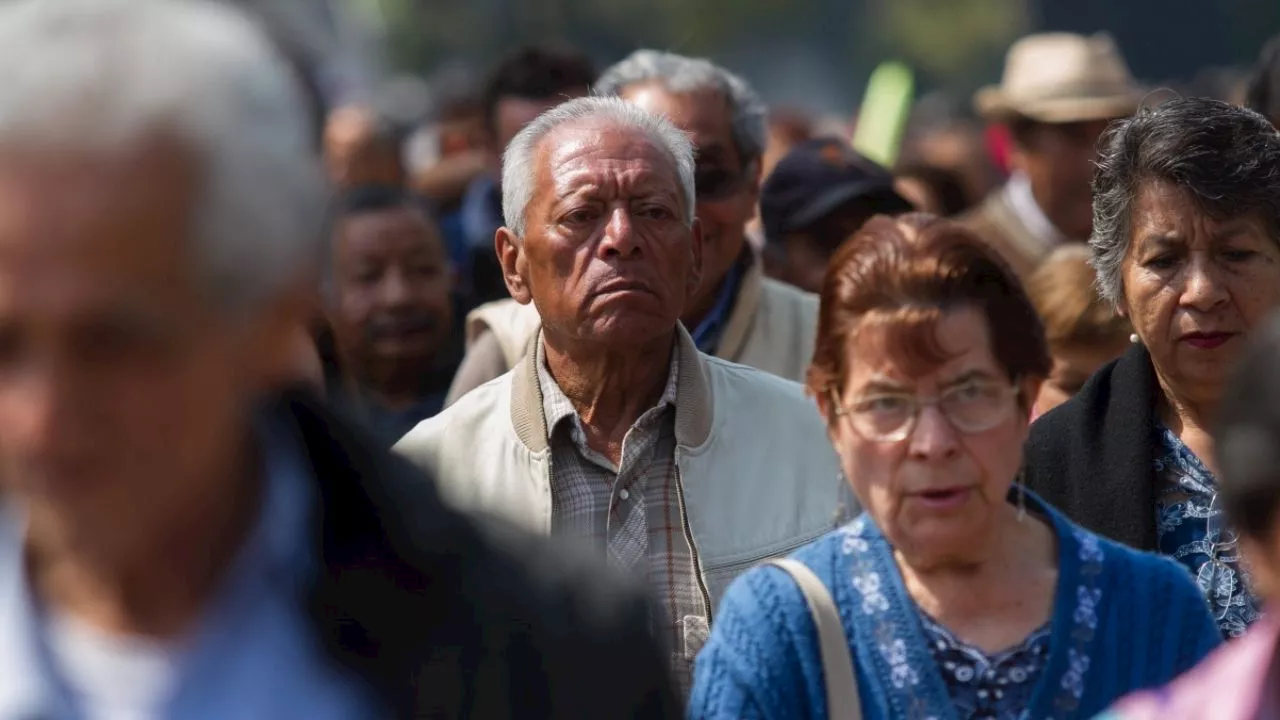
(619, 234)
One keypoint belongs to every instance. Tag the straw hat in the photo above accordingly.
(1061, 78)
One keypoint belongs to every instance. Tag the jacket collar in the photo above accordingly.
(694, 410)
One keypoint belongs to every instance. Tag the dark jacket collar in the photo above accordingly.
(1092, 457)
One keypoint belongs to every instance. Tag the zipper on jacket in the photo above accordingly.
(693, 547)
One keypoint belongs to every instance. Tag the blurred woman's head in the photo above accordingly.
(1083, 330)
(928, 358)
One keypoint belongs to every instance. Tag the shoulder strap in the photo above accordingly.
(837, 663)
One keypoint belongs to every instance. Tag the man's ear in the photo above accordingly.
(511, 258)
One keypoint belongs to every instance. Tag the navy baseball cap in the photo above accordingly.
(817, 177)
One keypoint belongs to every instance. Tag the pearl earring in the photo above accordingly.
(1133, 338)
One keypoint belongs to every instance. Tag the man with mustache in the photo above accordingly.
(614, 429)
(391, 310)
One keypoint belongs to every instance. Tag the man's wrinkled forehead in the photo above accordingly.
(581, 152)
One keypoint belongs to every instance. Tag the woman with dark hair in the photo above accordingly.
(1186, 242)
(958, 593)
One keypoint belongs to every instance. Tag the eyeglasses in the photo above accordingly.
(1216, 577)
(973, 407)
(718, 183)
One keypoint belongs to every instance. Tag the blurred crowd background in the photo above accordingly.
(814, 56)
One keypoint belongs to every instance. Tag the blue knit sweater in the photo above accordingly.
(1122, 620)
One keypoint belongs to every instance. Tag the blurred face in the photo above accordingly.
(391, 276)
(1058, 159)
(1073, 365)
(354, 152)
(606, 257)
(938, 491)
(727, 185)
(1194, 287)
(124, 390)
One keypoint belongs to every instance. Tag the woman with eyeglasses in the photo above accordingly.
(1186, 242)
(959, 593)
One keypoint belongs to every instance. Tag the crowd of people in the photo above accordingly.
(638, 400)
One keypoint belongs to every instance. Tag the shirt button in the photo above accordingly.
(624, 494)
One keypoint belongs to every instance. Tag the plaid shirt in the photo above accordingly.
(631, 511)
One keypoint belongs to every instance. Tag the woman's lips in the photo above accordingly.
(944, 498)
(1207, 341)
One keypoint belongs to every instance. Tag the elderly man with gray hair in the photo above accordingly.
(614, 428)
(177, 538)
(736, 313)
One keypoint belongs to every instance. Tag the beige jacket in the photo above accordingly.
(756, 473)
(772, 327)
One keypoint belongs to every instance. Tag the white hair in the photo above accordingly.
(680, 74)
(101, 77)
(518, 169)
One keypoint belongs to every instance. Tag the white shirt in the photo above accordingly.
(113, 677)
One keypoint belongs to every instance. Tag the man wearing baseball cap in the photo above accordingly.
(1058, 92)
(818, 195)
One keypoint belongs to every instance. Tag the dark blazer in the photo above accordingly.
(445, 618)
(1092, 457)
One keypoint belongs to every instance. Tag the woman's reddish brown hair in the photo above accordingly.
(903, 274)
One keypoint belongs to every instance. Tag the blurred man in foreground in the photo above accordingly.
(173, 542)
(737, 313)
(1057, 95)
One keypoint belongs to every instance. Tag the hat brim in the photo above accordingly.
(992, 104)
(828, 201)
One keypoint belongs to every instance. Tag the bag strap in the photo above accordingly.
(837, 663)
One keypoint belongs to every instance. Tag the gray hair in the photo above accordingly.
(680, 74)
(104, 76)
(518, 168)
(1226, 158)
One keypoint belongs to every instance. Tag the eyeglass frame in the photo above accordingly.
(1012, 391)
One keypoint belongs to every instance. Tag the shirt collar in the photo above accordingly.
(1023, 203)
(556, 406)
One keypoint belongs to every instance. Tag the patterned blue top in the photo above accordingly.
(1122, 621)
(1185, 489)
(988, 687)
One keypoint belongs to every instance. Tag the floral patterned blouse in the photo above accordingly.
(1185, 489)
(987, 687)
